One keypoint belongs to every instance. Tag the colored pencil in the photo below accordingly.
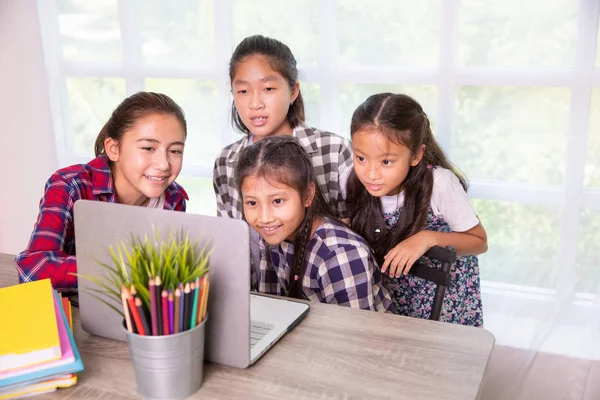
(201, 299)
(133, 292)
(126, 309)
(194, 316)
(187, 307)
(171, 327)
(159, 316)
(177, 316)
(205, 297)
(181, 306)
(192, 294)
(135, 314)
(165, 312)
(153, 307)
(142, 313)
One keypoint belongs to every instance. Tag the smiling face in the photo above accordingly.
(275, 211)
(262, 97)
(147, 159)
(380, 164)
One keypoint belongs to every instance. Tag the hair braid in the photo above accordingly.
(299, 267)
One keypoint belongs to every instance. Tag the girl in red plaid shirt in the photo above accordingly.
(139, 153)
(305, 252)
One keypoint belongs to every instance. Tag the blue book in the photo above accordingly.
(68, 364)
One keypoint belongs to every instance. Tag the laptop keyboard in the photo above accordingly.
(258, 330)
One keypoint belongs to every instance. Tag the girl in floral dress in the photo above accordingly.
(404, 197)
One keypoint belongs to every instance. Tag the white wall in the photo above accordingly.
(27, 148)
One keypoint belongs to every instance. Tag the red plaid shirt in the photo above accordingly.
(51, 249)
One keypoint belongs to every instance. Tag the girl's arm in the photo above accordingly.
(448, 199)
(472, 242)
(49, 253)
(401, 258)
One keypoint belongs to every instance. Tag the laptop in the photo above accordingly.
(241, 326)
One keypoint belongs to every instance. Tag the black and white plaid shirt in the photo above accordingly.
(331, 157)
(340, 270)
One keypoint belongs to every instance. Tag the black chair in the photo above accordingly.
(441, 277)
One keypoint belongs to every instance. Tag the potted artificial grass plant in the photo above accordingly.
(163, 287)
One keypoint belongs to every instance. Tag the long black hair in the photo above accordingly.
(401, 120)
(282, 160)
(282, 60)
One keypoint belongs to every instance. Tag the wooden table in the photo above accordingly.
(335, 353)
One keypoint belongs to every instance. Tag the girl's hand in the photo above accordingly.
(401, 258)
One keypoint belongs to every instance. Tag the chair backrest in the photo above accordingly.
(441, 277)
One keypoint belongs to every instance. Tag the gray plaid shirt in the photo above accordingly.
(331, 157)
(340, 269)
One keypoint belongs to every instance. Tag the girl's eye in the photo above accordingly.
(178, 152)
(387, 162)
(243, 91)
(269, 89)
(359, 158)
(251, 203)
(278, 201)
(148, 148)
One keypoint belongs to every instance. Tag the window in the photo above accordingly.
(512, 89)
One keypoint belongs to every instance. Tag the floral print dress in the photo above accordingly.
(413, 296)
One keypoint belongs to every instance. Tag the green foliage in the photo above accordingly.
(91, 102)
(181, 32)
(189, 94)
(388, 33)
(512, 134)
(178, 259)
(592, 164)
(509, 33)
(588, 253)
(523, 242)
(294, 22)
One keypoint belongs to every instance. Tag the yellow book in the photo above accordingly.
(29, 333)
(51, 385)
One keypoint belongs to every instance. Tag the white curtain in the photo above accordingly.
(512, 88)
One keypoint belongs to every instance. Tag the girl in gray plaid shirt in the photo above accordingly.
(305, 252)
(267, 102)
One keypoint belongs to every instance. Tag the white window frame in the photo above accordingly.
(570, 198)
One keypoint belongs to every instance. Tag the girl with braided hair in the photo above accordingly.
(305, 252)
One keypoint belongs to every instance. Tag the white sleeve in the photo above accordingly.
(449, 199)
(343, 177)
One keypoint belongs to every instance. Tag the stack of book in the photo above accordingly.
(37, 349)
